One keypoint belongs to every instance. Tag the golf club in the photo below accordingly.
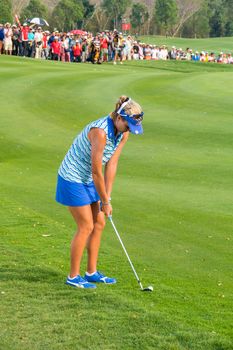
(149, 288)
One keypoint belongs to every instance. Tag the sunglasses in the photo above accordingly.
(137, 117)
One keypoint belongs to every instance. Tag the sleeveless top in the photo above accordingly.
(76, 166)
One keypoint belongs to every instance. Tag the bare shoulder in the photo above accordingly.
(97, 134)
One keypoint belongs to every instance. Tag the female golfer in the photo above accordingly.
(86, 191)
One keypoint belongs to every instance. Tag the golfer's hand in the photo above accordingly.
(107, 209)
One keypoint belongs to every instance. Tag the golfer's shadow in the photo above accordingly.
(33, 274)
(45, 281)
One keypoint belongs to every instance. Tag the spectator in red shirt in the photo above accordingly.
(45, 47)
(56, 49)
(24, 38)
(104, 48)
(77, 51)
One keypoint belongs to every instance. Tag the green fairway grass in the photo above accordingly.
(212, 45)
(172, 205)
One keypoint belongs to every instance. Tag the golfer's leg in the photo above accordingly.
(84, 220)
(94, 239)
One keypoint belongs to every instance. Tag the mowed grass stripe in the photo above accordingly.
(172, 205)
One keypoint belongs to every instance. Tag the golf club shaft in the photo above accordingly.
(122, 244)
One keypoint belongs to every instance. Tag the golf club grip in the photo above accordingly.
(122, 244)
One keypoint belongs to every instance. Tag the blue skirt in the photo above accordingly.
(74, 194)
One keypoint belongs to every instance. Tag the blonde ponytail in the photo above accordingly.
(130, 108)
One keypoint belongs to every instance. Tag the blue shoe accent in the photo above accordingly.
(79, 282)
(100, 278)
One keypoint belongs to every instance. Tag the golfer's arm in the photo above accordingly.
(111, 166)
(97, 138)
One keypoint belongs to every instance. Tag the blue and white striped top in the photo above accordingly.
(76, 166)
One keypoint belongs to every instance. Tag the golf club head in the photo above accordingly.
(148, 289)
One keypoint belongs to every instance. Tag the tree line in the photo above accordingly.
(186, 18)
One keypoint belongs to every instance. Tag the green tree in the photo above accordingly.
(115, 9)
(228, 4)
(5, 11)
(185, 11)
(88, 12)
(201, 23)
(217, 17)
(198, 25)
(66, 14)
(166, 14)
(34, 9)
(139, 15)
(99, 20)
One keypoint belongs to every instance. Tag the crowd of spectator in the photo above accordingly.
(107, 46)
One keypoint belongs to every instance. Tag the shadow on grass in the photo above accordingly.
(31, 274)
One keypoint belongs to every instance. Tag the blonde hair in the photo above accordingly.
(131, 107)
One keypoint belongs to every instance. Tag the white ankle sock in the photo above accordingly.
(90, 274)
(72, 278)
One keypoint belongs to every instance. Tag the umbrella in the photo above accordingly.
(78, 32)
(39, 21)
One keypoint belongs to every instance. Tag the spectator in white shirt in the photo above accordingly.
(38, 42)
(8, 39)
